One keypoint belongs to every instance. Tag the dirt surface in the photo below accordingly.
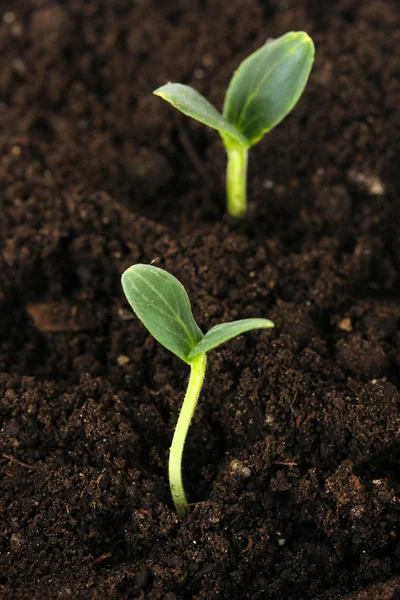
(292, 461)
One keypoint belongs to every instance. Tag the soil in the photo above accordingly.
(292, 461)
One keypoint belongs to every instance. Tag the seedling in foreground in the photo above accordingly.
(162, 304)
(263, 90)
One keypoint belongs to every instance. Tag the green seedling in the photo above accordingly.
(263, 90)
(162, 304)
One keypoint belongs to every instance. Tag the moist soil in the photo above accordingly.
(292, 461)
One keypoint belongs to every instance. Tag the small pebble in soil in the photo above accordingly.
(345, 325)
(268, 184)
(122, 360)
(240, 468)
(8, 17)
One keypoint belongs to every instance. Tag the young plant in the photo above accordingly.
(263, 90)
(162, 304)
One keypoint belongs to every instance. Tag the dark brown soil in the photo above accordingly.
(292, 461)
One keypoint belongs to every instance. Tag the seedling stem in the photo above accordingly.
(236, 181)
(197, 372)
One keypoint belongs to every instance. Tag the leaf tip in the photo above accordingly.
(302, 38)
(299, 36)
(268, 324)
(157, 92)
(126, 275)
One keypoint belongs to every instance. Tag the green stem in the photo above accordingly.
(198, 369)
(236, 181)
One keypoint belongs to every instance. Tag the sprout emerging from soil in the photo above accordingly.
(263, 90)
(162, 304)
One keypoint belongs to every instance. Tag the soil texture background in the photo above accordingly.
(292, 461)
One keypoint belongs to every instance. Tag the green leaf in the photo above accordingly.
(226, 331)
(193, 104)
(162, 304)
(268, 84)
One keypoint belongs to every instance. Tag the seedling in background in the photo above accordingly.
(162, 304)
(263, 90)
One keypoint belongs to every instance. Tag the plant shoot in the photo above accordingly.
(263, 90)
(160, 301)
